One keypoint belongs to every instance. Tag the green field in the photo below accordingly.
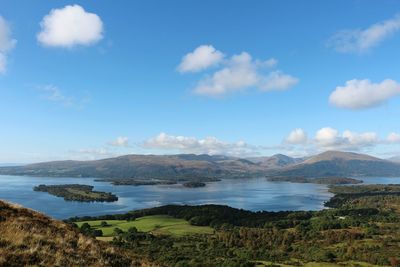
(156, 224)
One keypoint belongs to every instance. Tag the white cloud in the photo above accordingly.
(121, 141)
(54, 94)
(70, 26)
(297, 136)
(208, 145)
(278, 80)
(296, 144)
(359, 94)
(352, 139)
(327, 137)
(272, 62)
(6, 43)
(359, 41)
(237, 73)
(201, 58)
(393, 138)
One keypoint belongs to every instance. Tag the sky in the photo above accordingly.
(95, 79)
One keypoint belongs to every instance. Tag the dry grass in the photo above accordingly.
(28, 238)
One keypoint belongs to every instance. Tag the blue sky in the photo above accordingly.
(295, 77)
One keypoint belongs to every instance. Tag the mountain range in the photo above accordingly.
(336, 163)
(191, 166)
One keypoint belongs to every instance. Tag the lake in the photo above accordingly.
(251, 194)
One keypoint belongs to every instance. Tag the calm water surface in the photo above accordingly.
(251, 194)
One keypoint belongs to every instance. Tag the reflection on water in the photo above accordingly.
(251, 194)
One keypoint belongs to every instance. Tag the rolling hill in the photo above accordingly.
(29, 238)
(185, 166)
(336, 164)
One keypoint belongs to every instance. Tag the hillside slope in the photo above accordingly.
(336, 163)
(29, 238)
(275, 161)
(142, 166)
(395, 159)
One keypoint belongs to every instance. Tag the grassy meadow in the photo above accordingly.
(156, 224)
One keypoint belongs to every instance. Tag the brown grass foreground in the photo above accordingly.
(29, 238)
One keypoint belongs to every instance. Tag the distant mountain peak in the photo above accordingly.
(281, 156)
(340, 164)
(275, 161)
(340, 155)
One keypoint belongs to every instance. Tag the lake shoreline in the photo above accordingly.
(255, 194)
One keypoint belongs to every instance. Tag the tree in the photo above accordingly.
(117, 231)
(85, 227)
(132, 230)
(97, 232)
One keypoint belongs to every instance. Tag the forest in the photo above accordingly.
(356, 231)
(76, 192)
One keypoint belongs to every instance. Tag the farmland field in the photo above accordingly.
(156, 224)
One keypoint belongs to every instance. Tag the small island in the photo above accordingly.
(190, 181)
(136, 182)
(321, 180)
(76, 192)
(194, 184)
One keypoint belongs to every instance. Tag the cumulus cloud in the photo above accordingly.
(237, 73)
(7, 43)
(278, 80)
(297, 136)
(70, 26)
(328, 138)
(121, 141)
(360, 94)
(352, 139)
(208, 145)
(201, 58)
(361, 40)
